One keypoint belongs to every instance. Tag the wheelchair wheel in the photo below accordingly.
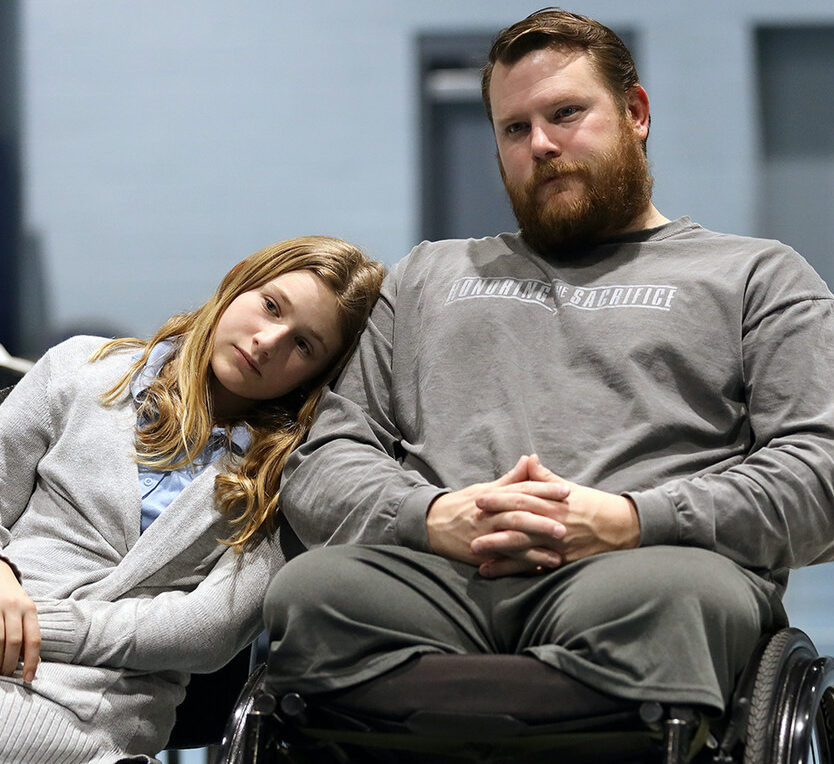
(242, 739)
(791, 719)
(816, 712)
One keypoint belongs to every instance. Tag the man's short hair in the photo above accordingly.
(560, 29)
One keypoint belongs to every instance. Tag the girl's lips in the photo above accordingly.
(248, 360)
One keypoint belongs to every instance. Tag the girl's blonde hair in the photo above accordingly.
(177, 405)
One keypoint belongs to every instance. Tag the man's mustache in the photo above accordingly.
(555, 168)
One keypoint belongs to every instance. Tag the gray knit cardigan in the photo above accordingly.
(125, 618)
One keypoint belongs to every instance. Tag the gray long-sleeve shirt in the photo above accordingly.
(689, 369)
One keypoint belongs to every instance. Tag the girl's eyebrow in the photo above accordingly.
(316, 336)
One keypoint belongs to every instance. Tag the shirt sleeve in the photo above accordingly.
(197, 631)
(775, 507)
(345, 483)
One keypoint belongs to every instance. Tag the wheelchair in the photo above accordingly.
(503, 709)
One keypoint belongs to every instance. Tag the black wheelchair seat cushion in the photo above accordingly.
(500, 693)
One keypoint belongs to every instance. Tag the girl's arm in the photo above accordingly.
(25, 434)
(197, 631)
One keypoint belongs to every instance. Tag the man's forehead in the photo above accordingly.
(542, 69)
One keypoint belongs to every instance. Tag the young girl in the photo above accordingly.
(138, 485)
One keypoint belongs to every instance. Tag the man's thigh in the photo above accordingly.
(650, 620)
(340, 615)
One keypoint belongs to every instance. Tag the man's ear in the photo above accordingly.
(637, 110)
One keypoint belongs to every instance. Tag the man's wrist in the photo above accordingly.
(410, 521)
(632, 527)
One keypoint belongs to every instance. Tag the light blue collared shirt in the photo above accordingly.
(160, 488)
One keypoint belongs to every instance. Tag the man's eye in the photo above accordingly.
(303, 346)
(515, 128)
(567, 111)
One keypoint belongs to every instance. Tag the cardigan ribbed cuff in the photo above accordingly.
(58, 630)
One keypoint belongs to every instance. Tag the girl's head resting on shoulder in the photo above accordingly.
(273, 340)
(283, 322)
(259, 352)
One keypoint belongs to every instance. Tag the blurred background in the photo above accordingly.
(147, 146)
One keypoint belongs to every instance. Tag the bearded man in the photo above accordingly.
(601, 441)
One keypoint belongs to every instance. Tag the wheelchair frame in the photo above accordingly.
(782, 712)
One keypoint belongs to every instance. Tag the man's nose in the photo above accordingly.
(543, 143)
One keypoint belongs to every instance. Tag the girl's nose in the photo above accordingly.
(269, 338)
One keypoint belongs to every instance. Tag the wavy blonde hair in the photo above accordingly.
(177, 405)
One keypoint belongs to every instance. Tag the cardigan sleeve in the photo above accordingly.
(26, 433)
(197, 631)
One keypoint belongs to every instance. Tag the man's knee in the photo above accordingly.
(666, 574)
(350, 584)
(312, 580)
(701, 581)
(662, 586)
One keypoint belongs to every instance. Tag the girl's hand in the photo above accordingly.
(20, 636)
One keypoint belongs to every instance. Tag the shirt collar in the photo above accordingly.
(160, 353)
(150, 371)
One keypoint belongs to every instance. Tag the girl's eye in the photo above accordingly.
(270, 305)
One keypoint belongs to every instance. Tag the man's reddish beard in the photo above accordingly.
(607, 195)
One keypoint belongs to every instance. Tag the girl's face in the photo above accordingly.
(272, 340)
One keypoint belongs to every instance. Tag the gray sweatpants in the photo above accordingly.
(672, 624)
